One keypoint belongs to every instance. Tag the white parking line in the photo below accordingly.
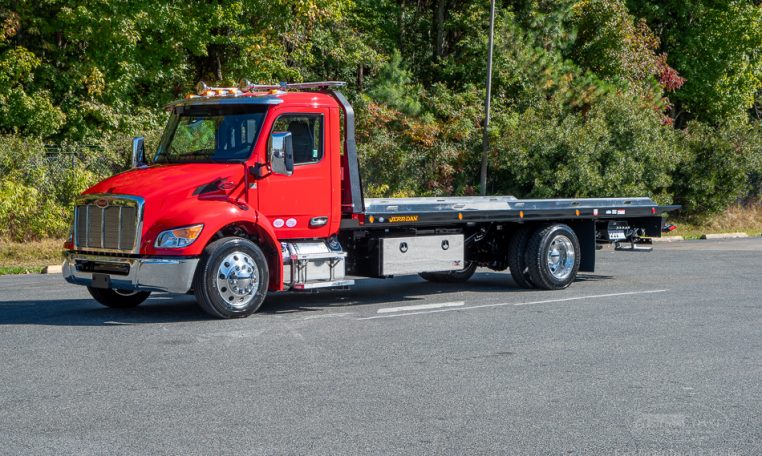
(482, 306)
(333, 315)
(421, 307)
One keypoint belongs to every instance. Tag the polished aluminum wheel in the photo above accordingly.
(561, 257)
(237, 280)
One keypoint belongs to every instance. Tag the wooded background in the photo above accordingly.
(590, 98)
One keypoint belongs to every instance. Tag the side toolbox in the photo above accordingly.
(414, 254)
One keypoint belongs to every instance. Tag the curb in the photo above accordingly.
(53, 269)
(667, 239)
(724, 236)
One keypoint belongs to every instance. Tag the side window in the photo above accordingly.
(306, 135)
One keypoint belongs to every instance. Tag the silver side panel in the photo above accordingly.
(411, 255)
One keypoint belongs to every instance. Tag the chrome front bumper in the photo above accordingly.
(174, 275)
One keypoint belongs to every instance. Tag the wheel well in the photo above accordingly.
(254, 233)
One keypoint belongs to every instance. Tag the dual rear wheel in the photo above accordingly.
(545, 257)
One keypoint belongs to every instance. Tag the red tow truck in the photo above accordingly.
(257, 189)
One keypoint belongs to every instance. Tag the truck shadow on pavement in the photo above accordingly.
(166, 308)
(87, 312)
(405, 290)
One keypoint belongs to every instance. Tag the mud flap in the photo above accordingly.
(585, 231)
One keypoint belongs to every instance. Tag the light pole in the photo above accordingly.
(485, 139)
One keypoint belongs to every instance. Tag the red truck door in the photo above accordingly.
(299, 205)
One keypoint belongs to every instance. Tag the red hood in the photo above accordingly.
(165, 182)
(172, 194)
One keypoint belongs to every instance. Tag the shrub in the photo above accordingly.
(25, 214)
(38, 184)
(720, 168)
(615, 149)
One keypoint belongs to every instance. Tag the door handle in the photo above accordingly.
(318, 221)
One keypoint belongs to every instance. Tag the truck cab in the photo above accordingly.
(257, 189)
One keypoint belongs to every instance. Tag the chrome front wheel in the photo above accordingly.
(237, 280)
(232, 278)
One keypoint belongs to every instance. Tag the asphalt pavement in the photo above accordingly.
(654, 354)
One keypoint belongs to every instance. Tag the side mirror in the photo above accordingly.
(138, 152)
(282, 153)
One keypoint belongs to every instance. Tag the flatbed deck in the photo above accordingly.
(456, 210)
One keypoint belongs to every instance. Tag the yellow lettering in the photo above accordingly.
(403, 218)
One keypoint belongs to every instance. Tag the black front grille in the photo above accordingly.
(111, 224)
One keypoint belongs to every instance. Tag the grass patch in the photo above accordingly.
(746, 219)
(29, 257)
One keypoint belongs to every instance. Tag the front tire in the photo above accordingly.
(553, 257)
(118, 299)
(458, 276)
(232, 278)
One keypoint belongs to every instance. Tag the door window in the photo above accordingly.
(306, 135)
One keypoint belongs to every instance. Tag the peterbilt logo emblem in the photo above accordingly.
(102, 203)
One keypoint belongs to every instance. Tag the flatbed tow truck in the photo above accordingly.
(256, 189)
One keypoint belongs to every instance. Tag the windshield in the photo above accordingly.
(207, 134)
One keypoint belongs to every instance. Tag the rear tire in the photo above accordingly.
(459, 276)
(517, 247)
(553, 256)
(118, 299)
(232, 278)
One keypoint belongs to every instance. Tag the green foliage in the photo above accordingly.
(717, 47)
(26, 214)
(432, 153)
(616, 149)
(395, 87)
(717, 169)
(38, 185)
(611, 44)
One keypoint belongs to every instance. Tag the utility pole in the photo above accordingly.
(485, 139)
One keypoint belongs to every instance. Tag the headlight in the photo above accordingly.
(178, 237)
